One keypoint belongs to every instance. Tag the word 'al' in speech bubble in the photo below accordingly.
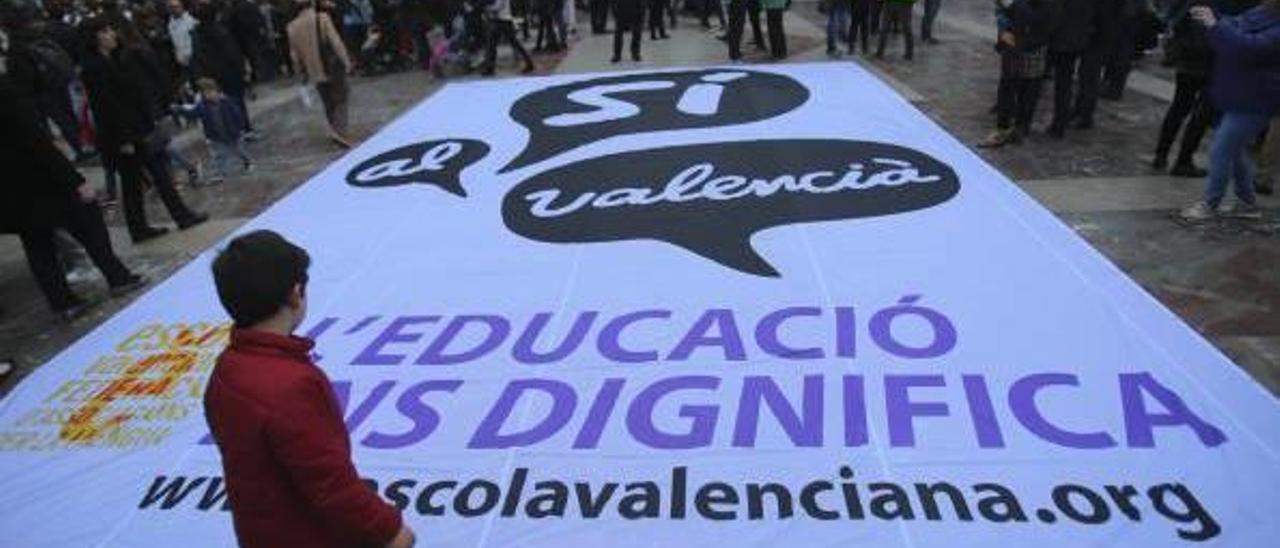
(434, 163)
(711, 198)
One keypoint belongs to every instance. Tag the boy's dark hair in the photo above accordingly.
(255, 273)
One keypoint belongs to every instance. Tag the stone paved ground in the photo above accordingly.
(1221, 278)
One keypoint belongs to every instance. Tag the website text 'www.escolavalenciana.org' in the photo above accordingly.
(674, 497)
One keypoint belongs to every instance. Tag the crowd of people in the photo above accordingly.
(111, 81)
(1226, 57)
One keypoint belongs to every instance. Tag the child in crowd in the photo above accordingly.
(224, 127)
(1025, 27)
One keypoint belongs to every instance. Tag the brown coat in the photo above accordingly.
(305, 47)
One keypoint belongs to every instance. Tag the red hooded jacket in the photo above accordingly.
(285, 451)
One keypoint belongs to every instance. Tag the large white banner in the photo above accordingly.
(728, 306)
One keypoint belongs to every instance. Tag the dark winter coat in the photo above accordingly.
(1189, 47)
(1246, 68)
(142, 65)
(214, 54)
(247, 26)
(628, 10)
(1075, 26)
(1032, 22)
(122, 111)
(39, 185)
(1108, 24)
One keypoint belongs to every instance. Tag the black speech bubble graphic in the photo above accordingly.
(435, 163)
(564, 117)
(711, 198)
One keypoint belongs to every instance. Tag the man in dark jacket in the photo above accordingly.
(123, 115)
(1070, 38)
(286, 455)
(42, 192)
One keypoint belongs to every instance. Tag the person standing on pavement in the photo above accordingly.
(739, 10)
(1120, 60)
(319, 55)
(1245, 87)
(837, 23)
(1103, 36)
(657, 21)
(1026, 30)
(124, 123)
(249, 30)
(502, 28)
(860, 25)
(1070, 38)
(42, 192)
(773, 12)
(286, 455)
(1192, 59)
(709, 7)
(897, 13)
(181, 25)
(628, 17)
(599, 16)
(931, 9)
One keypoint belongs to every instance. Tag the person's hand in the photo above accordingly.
(86, 193)
(1204, 15)
(404, 538)
(1008, 39)
(127, 149)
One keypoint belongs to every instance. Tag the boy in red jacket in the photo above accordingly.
(285, 452)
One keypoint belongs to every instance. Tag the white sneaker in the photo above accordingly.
(1198, 212)
(1241, 210)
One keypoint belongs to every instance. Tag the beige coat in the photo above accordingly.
(305, 47)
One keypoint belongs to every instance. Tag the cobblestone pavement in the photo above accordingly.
(1221, 278)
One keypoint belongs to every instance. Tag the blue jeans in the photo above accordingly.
(224, 152)
(837, 23)
(1228, 158)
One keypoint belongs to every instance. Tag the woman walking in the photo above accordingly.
(125, 133)
(318, 53)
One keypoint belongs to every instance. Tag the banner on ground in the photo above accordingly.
(766, 304)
